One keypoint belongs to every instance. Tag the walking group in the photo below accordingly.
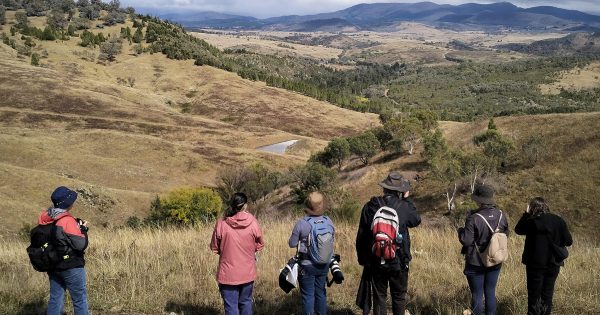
(383, 249)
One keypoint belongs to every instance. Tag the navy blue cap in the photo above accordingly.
(63, 197)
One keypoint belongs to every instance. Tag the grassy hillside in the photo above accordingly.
(156, 271)
(567, 175)
(79, 122)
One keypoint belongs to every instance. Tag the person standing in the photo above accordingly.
(71, 240)
(546, 238)
(379, 272)
(475, 237)
(313, 236)
(236, 239)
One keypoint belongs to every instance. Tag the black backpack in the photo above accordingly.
(43, 251)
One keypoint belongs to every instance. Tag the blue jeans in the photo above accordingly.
(312, 280)
(237, 298)
(72, 280)
(482, 281)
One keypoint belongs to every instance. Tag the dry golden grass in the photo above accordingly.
(577, 79)
(153, 271)
(70, 122)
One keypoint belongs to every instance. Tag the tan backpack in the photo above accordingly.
(497, 249)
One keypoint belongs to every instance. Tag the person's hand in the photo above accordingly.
(84, 223)
(406, 194)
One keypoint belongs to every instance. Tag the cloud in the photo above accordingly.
(268, 8)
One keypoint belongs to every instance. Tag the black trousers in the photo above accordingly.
(398, 283)
(540, 289)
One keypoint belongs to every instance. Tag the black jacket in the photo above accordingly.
(407, 218)
(477, 232)
(539, 231)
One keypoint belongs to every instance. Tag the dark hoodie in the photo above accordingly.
(477, 232)
(69, 239)
(540, 231)
(407, 217)
(236, 239)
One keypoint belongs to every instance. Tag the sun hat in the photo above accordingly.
(396, 182)
(63, 197)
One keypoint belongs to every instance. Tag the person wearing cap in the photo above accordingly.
(546, 239)
(71, 238)
(237, 238)
(378, 276)
(476, 234)
(312, 276)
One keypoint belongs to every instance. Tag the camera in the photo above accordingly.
(82, 227)
(336, 271)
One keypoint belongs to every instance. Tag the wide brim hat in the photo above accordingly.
(315, 204)
(396, 182)
(484, 194)
(63, 197)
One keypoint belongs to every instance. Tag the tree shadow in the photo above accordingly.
(190, 309)
(33, 308)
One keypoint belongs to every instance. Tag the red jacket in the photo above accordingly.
(237, 239)
(69, 239)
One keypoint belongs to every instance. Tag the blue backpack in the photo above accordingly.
(320, 239)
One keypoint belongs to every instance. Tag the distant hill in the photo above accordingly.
(324, 25)
(380, 16)
(197, 19)
(577, 43)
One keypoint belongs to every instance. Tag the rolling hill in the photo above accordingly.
(124, 131)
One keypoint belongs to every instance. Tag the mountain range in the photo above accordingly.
(385, 16)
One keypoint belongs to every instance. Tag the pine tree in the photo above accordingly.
(138, 36)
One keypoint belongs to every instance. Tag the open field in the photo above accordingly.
(158, 271)
(585, 78)
(407, 42)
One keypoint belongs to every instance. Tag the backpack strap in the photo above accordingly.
(499, 221)
(486, 222)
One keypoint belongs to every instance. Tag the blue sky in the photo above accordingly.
(269, 8)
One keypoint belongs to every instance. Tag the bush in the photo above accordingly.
(342, 206)
(110, 49)
(35, 59)
(187, 206)
(133, 222)
(310, 177)
(256, 181)
(335, 153)
(365, 146)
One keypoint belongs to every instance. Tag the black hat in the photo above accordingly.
(396, 182)
(63, 197)
(484, 194)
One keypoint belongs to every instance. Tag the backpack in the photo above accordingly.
(320, 240)
(43, 252)
(497, 250)
(385, 233)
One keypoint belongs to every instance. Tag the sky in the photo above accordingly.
(270, 8)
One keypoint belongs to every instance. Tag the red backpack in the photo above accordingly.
(385, 232)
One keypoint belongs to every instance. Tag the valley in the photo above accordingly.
(130, 110)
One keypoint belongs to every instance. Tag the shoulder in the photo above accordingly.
(69, 225)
